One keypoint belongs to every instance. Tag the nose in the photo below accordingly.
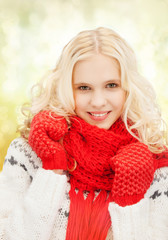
(98, 99)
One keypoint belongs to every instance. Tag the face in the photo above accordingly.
(99, 98)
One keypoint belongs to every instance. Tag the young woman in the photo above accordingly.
(91, 162)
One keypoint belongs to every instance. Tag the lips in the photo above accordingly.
(99, 116)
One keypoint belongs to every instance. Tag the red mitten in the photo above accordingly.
(46, 130)
(134, 168)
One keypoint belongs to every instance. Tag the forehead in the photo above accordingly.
(96, 67)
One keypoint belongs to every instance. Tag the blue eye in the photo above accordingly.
(83, 88)
(112, 85)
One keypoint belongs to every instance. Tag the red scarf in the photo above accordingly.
(91, 148)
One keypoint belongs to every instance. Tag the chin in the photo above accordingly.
(104, 126)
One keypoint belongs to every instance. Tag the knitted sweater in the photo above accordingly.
(34, 203)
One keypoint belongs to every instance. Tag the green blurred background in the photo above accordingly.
(33, 33)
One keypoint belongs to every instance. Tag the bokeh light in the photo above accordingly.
(34, 32)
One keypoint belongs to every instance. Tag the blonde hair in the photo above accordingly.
(55, 91)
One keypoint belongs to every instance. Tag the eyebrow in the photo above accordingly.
(111, 80)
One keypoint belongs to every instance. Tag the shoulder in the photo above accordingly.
(21, 156)
(157, 196)
(159, 187)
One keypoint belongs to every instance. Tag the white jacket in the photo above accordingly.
(34, 203)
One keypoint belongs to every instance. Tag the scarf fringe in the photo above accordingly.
(89, 218)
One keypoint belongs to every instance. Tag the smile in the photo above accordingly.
(98, 116)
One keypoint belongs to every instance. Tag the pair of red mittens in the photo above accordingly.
(134, 165)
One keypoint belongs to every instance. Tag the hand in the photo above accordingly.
(47, 129)
(134, 168)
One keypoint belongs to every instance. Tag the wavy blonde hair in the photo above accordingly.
(55, 91)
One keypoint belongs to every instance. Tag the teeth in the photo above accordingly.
(98, 115)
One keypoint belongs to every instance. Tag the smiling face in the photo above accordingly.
(99, 98)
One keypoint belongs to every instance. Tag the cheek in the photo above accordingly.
(80, 102)
(119, 101)
(122, 100)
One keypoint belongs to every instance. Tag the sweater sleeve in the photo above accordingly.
(147, 219)
(30, 196)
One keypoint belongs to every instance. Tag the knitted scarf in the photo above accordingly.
(91, 148)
